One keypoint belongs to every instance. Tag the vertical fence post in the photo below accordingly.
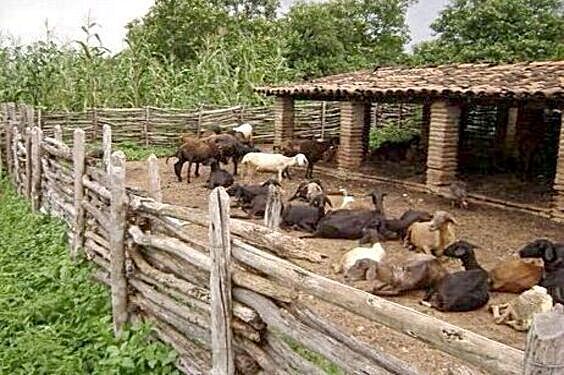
(220, 284)
(107, 148)
(200, 114)
(28, 164)
(14, 151)
(29, 114)
(78, 160)
(117, 235)
(39, 118)
(146, 125)
(544, 351)
(58, 133)
(323, 115)
(273, 211)
(154, 178)
(37, 139)
(8, 144)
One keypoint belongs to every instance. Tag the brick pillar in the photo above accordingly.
(442, 157)
(351, 146)
(283, 119)
(559, 179)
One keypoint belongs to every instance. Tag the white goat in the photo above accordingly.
(246, 129)
(276, 163)
(375, 253)
(347, 199)
(518, 313)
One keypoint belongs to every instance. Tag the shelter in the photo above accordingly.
(521, 94)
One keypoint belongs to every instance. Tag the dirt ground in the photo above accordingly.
(499, 233)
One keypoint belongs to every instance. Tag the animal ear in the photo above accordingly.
(452, 219)
(459, 251)
(549, 254)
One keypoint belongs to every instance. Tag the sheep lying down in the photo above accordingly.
(518, 313)
(375, 253)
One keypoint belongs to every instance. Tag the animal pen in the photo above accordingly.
(222, 292)
(478, 122)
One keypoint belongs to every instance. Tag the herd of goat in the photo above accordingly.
(431, 235)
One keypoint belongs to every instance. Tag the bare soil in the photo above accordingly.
(498, 232)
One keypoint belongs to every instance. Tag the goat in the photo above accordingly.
(552, 255)
(374, 253)
(421, 272)
(308, 190)
(347, 199)
(392, 229)
(301, 217)
(394, 151)
(230, 147)
(457, 194)
(519, 312)
(244, 194)
(193, 151)
(461, 291)
(432, 236)
(515, 276)
(263, 162)
(218, 176)
(313, 150)
(350, 224)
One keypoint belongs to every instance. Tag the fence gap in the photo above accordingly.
(107, 148)
(37, 139)
(117, 235)
(78, 158)
(220, 283)
(154, 178)
(273, 211)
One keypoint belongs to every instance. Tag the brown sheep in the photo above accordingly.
(515, 276)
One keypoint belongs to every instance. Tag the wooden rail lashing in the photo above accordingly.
(117, 246)
(154, 178)
(273, 212)
(220, 284)
(28, 164)
(107, 148)
(37, 138)
(544, 352)
(79, 159)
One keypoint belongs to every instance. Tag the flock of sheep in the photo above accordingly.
(431, 236)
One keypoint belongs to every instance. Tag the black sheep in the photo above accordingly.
(218, 176)
(461, 291)
(302, 217)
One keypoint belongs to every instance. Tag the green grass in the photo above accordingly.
(134, 151)
(390, 132)
(315, 358)
(53, 319)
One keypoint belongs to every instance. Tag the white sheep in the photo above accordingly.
(246, 129)
(375, 253)
(276, 163)
(432, 236)
(518, 313)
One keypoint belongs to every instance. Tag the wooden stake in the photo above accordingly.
(323, 115)
(117, 235)
(78, 158)
(8, 145)
(146, 125)
(28, 164)
(107, 147)
(58, 133)
(154, 178)
(200, 114)
(273, 212)
(544, 352)
(14, 151)
(220, 284)
(37, 138)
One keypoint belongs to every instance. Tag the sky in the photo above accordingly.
(26, 19)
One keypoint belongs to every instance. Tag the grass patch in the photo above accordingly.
(134, 151)
(390, 133)
(315, 358)
(53, 319)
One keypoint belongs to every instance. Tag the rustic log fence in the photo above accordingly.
(221, 291)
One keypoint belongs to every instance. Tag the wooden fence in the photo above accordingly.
(223, 292)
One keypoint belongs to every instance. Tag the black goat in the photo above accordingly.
(230, 147)
(393, 229)
(461, 291)
(302, 217)
(218, 176)
(552, 255)
(244, 194)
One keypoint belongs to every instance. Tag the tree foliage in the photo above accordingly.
(496, 31)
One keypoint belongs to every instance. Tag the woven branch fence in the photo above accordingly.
(222, 292)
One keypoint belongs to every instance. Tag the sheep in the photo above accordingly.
(515, 276)
(432, 236)
(193, 151)
(375, 253)
(349, 224)
(246, 130)
(313, 150)
(421, 272)
(218, 176)
(457, 194)
(359, 270)
(464, 290)
(519, 313)
(263, 162)
(552, 255)
(308, 190)
(303, 217)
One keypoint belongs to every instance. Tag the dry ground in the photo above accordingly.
(499, 233)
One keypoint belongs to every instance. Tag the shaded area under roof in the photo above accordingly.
(543, 80)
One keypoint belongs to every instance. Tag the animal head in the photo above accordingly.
(358, 270)
(301, 160)
(460, 249)
(370, 236)
(378, 200)
(318, 201)
(441, 218)
(271, 181)
(234, 190)
(541, 248)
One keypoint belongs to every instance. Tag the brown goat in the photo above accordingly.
(313, 149)
(515, 276)
(193, 151)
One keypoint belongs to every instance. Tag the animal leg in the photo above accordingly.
(197, 173)
(189, 171)
(234, 167)
(178, 169)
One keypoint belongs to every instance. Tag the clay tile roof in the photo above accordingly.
(542, 78)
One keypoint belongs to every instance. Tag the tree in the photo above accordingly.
(496, 31)
(338, 35)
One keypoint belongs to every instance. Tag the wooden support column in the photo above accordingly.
(283, 119)
(442, 156)
(559, 179)
(351, 147)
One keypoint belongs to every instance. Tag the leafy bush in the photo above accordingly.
(391, 132)
(54, 319)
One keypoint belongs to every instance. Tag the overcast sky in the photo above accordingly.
(25, 19)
